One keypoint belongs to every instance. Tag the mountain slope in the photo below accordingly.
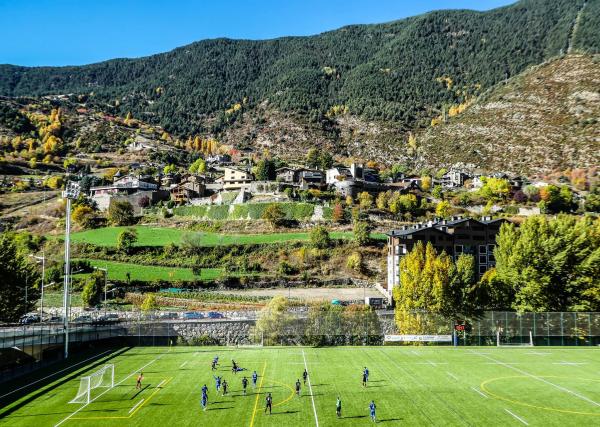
(378, 72)
(544, 120)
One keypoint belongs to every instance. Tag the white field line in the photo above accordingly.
(109, 389)
(415, 353)
(55, 373)
(183, 364)
(537, 353)
(452, 375)
(479, 391)
(517, 417)
(566, 390)
(569, 363)
(312, 397)
(135, 406)
(160, 383)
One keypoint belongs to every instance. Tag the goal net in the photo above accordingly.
(502, 340)
(102, 378)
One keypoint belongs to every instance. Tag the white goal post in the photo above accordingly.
(102, 378)
(499, 342)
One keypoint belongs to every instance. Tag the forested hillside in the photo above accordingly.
(405, 71)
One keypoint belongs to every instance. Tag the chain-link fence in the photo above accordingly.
(29, 347)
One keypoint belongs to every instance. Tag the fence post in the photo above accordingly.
(590, 328)
(534, 326)
(562, 329)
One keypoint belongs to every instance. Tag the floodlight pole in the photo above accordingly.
(43, 260)
(71, 192)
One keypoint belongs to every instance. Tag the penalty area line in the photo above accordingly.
(106, 391)
(517, 417)
(135, 406)
(479, 391)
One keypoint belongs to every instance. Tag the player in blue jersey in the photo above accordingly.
(217, 382)
(372, 408)
(254, 378)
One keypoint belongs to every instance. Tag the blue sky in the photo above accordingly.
(73, 32)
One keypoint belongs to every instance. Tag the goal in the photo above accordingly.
(102, 378)
(503, 341)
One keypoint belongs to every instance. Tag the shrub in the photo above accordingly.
(126, 240)
(274, 215)
(362, 233)
(354, 262)
(92, 289)
(319, 237)
(120, 212)
(83, 216)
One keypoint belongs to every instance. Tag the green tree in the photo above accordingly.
(365, 200)
(273, 319)
(93, 287)
(199, 166)
(362, 233)
(126, 240)
(355, 262)
(169, 169)
(120, 212)
(424, 277)
(274, 215)
(494, 188)
(382, 200)
(264, 170)
(437, 192)
(84, 216)
(149, 303)
(442, 209)
(325, 160)
(17, 274)
(319, 237)
(592, 201)
(312, 158)
(551, 264)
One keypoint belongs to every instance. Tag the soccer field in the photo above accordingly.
(475, 386)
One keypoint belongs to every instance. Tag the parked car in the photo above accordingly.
(29, 318)
(169, 315)
(192, 315)
(82, 319)
(108, 318)
(215, 315)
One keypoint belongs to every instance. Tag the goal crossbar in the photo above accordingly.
(499, 342)
(102, 378)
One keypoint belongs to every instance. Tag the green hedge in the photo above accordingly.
(293, 211)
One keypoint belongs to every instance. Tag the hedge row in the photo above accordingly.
(293, 211)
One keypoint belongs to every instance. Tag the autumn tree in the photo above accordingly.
(365, 200)
(362, 233)
(120, 212)
(337, 214)
(274, 215)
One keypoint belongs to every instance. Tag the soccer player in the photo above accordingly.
(234, 366)
(224, 387)
(138, 384)
(304, 375)
(217, 382)
(366, 371)
(372, 408)
(204, 401)
(254, 378)
(338, 407)
(244, 384)
(364, 379)
(204, 389)
(298, 387)
(268, 403)
(213, 365)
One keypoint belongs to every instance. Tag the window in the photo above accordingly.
(458, 249)
(482, 269)
(491, 258)
(491, 248)
(482, 249)
(482, 259)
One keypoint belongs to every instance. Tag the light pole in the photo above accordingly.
(71, 192)
(43, 260)
(105, 284)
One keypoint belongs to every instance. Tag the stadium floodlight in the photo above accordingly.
(71, 192)
(104, 377)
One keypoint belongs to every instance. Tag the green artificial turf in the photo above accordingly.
(412, 386)
(160, 236)
(119, 270)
